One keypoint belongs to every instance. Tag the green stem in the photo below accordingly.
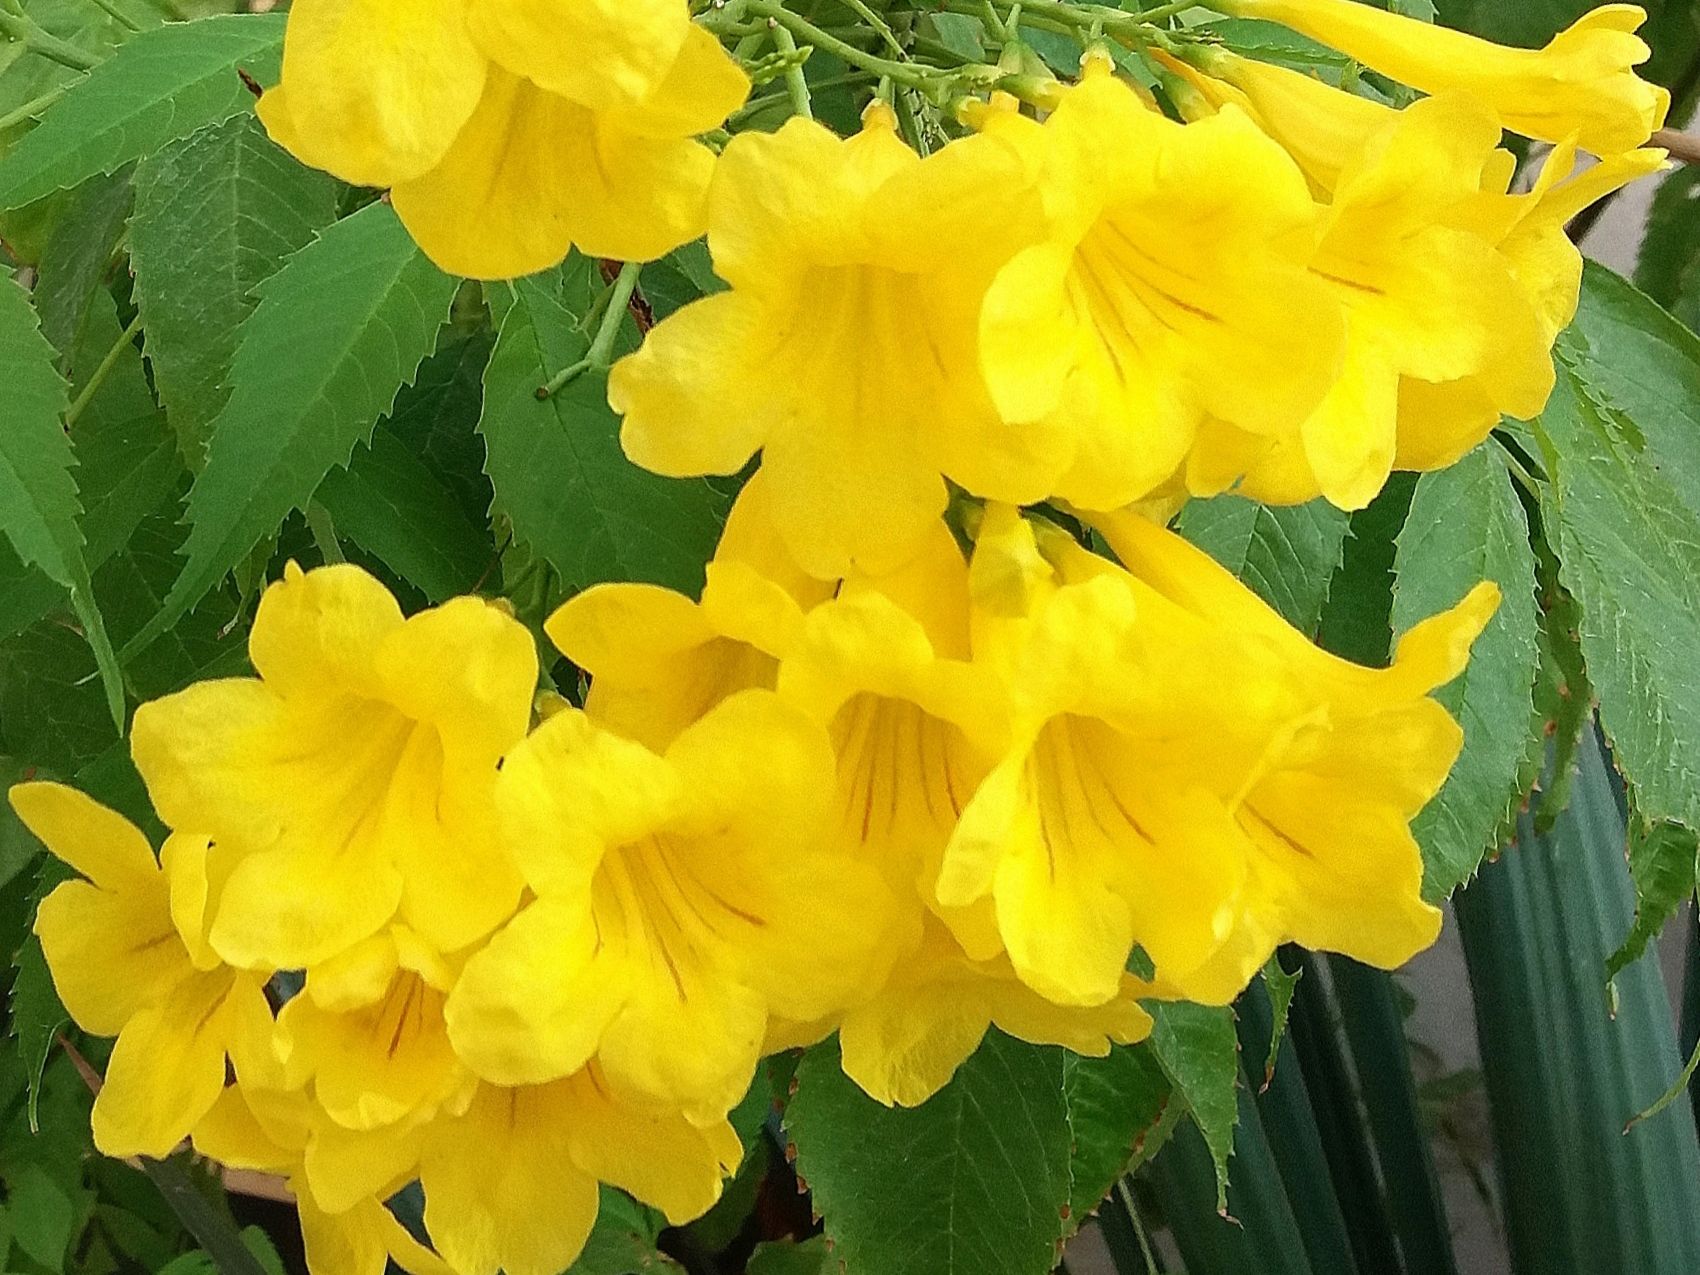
(323, 527)
(756, 105)
(80, 404)
(118, 15)
(796, 82)
(601, 352)
(30, 109)
(213, 1231)
(30, 34)
(809, 33)
(878, 24)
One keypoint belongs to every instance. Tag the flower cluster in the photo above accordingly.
(895, 774)
(1293, 293)
(512, 960)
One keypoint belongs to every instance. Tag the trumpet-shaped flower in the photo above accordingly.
(511, 1185)
(1188, 774)
(659, 661)
(905, 1044)
(1322, 127)
(1453, 289)
(367, 1034)
(122, 944)
(1170, 290)
(1424, 302)
(339, 1185)
(352, 780)
(1582, 84)
(510, 130)
(681, 899)
(1439, 422)
(914, 725)
(846, 350)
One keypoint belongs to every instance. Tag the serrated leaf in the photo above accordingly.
(1622, 510)
(217, 213)
(78, 257)
(1357, 619)
(623, 1240)
(1466, 525)
(38, 495)
(336, 334)
(810, 1257)
(973, 1182)
(436, 418)
(1199, 1052)
(390, 504)
(162, 85)
(1281, 987)
(1664, 863)
(1286, 556)
(1116, 1107)
(557, 469)
(36, 1013)
(1668, 268)
(126, 465)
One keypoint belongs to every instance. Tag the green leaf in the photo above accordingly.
(35, 1009)
(1198, 1050)
(1116, 1116)
(162, 85)
(126, 465)
(1664, 862)
(810, 1257)
(1466, 525)
(390, 504)
(43, 1216)
(1668, 269)
(1357, 620)
(38, 495)
(623, 1239)
(78, 258)
(559, 475)
(1622, 511)
(337, 332)
(437, 420)
(1563, 1073)
(1281, 987)
(217, 213)
(974, 1182)
(1287, 556)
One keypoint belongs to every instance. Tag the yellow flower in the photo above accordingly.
(339, 1184)
(1440, 421)
(1171, 290)
(362, 1096)
(1188, 774)
(1582, 84)
(124, 947)
(659, 661)
(1322, 127)
(512, 1184)
(351, 782)
(914, 726)
(845, 351)
(511, 130)
(905, 1044)
(367, 1033)
(681, 899)
(1424, 301)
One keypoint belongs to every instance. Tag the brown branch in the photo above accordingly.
(1683, 147)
